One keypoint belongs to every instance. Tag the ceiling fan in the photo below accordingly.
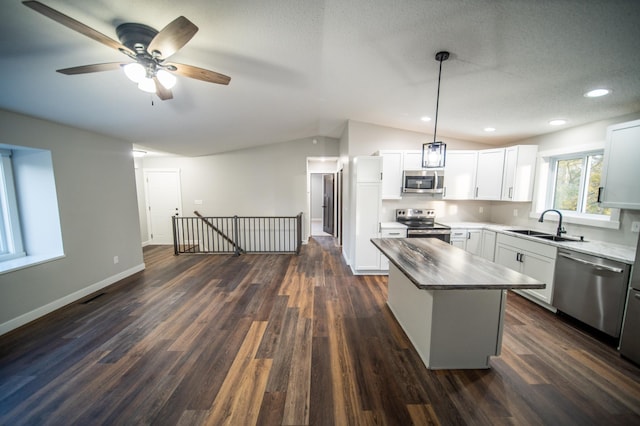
(148, 48)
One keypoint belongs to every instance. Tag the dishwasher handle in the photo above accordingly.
(595, 265)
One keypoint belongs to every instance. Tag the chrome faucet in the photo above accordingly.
(560, 230)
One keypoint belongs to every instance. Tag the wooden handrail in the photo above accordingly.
(222, 234)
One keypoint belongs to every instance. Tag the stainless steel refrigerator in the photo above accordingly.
(630, 339)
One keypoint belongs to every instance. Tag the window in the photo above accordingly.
(575, 183)
(567, 179)
(10, 237)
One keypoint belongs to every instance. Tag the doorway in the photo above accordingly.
(322, 205)
(323, 197)
(163, 200)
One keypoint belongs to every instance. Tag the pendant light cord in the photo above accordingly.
(435, 124)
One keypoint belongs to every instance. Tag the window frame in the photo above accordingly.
(545, 182)
(586, 157)
(11, 245)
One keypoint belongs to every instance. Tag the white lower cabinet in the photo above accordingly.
(488, 249)
(536, 260)
(390, 233)
(467, 239)
(367, 256)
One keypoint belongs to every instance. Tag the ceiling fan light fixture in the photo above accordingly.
(135, 72)
(167, 79)
(147, 85)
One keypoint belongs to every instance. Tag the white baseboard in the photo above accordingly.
(63, 301)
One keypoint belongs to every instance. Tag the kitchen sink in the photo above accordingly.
(544, 236)
(556, 238)
(530, 232)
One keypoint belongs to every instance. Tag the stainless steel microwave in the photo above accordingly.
(430, 181)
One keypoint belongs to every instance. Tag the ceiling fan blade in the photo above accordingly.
(200, 73)
(84, 69)
(78, 26)
(172, 37)
(162, 92)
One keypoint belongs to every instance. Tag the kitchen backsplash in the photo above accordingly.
(508, 213)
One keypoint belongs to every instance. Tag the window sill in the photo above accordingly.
(579, 220)
(26, 262)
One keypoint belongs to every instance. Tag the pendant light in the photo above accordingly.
(434, 153)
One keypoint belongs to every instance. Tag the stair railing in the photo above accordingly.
(238, 235)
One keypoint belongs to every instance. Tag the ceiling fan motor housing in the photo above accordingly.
(131, 34)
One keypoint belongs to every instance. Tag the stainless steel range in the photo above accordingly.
(421, 223)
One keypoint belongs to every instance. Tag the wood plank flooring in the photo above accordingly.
(295, 340)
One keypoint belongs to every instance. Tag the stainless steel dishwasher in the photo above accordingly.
(591, 289)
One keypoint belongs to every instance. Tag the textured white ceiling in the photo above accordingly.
(301, 68)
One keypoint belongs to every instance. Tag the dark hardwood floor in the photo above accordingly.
(284, 339)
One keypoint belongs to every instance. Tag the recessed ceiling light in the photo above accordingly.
(597, 93)
(489, 129)
(425, 118)
(558, 122)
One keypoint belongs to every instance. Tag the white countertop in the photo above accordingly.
(392, 225)
(612, 251)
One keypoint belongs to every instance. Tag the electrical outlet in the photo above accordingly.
(116, 259)
(480, 209)
(198, 202)
(635, 226)
(515, 212)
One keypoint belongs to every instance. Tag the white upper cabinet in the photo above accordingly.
(489, 174)
(460, 175)
(620, 181)
(392, 166)
(519, 173)
(412, 160)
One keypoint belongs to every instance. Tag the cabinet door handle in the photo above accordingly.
(599, 200)
(476, 192)
(468, 235)
(511, 192)
(444, 192)
(517, 257)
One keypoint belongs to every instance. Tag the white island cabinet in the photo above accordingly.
(620, 182)
(450, 303)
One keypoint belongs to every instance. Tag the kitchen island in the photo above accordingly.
(449, 302)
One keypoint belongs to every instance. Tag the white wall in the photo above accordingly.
(94, 179)
(269, 180)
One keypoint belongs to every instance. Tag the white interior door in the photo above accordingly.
(163, 202)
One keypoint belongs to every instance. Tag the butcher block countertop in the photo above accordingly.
(432, 264)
